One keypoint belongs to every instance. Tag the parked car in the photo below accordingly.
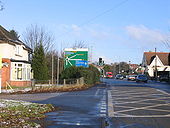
(109, 74)
(119, 76)
(164, 78)
(132, 77)
(142, 78)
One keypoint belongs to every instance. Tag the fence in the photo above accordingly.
(65, 82)
(43, 83)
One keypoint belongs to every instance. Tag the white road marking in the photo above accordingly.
(97, 92)
(103, 111)
(130, 97)
(102, 115)
(103, 105)
(163, 92)
(110, 105)
(157, 105)
(144, 116)
(157, 99)
(139, 93)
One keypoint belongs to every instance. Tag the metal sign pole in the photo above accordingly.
(0, 80)
(0, 72)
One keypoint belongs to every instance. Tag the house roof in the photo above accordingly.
(7, 36)
(134, 66)
(163, 56)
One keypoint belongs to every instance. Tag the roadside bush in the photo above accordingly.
(91, 74)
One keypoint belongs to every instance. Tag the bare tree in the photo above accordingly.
(79, 44)
(167, 41)
(35, 35)
(1, 6)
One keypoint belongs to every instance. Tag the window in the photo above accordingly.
(17, 49)
(20, 71)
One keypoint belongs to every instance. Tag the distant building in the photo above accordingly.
(16, 67)
(158, 62)
(133, 67)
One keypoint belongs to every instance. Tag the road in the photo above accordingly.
(113, 104)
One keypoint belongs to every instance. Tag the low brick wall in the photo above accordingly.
(20, 83)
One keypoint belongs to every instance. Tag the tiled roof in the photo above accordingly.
(7, 36)
(163, 56)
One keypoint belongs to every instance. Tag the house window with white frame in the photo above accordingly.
(17, 49)
(20, 71)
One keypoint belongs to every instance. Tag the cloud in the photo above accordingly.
(75, 27)
(143, 34)
(93, 31)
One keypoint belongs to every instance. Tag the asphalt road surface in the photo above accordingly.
(113, 104)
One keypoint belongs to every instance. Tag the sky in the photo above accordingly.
(116, 30)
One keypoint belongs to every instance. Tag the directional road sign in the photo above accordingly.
(75, 57)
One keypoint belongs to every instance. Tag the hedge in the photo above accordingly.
(91, 74)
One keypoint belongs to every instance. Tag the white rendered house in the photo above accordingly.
(16, 67)
(156, 62)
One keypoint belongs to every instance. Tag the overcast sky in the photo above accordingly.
(117, 30)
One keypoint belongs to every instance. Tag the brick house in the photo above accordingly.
(156, 62)
(16, 67)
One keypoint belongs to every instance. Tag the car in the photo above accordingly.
(142, 78)
(109, 74)
(164, 78)
(119, 76)
(132, 77)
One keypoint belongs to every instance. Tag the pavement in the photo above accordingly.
(113, 104)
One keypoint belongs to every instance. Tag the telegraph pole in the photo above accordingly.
(58, 61)
(52, 72)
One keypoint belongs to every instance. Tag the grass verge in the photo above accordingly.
(19, 113)
(51, 89)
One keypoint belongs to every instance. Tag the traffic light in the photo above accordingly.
(100, 61)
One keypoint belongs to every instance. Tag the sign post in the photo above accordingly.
(0, 71)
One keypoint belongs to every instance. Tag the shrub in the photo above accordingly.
(91, 74)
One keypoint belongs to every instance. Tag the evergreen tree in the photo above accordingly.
(39, 64)
(14, 34)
